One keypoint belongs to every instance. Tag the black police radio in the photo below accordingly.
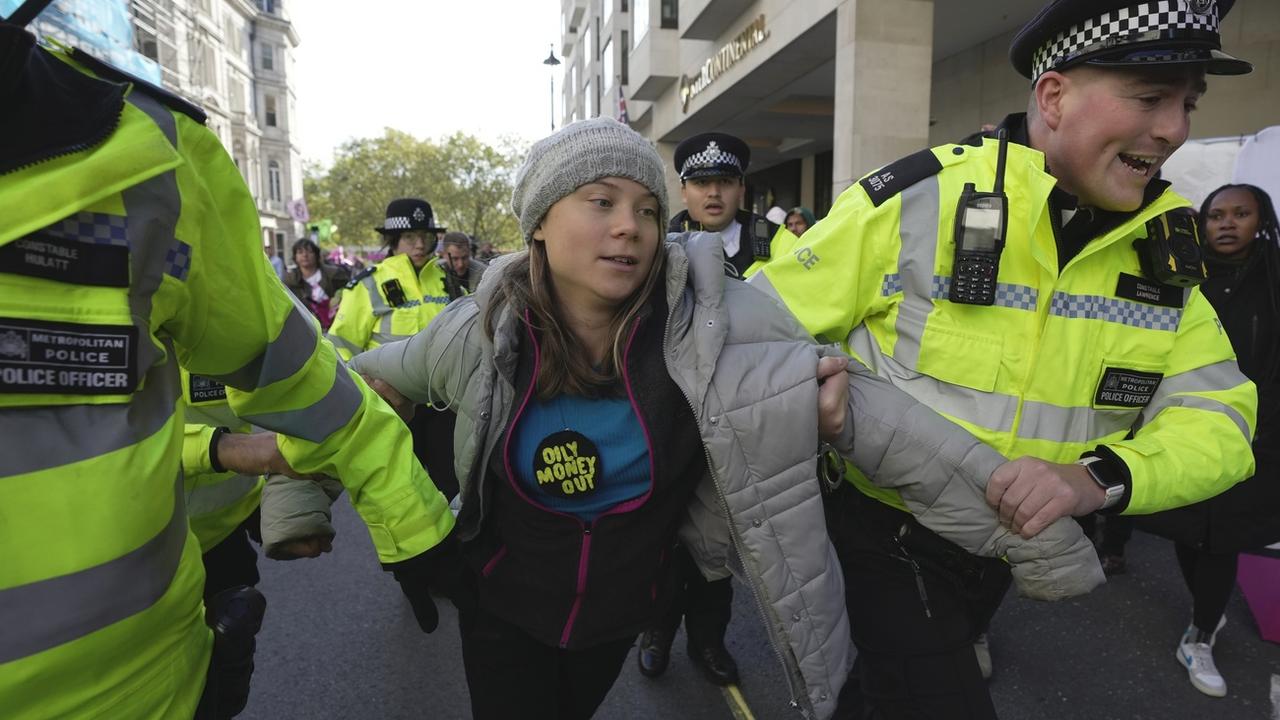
(1170, 253)
(981, 221)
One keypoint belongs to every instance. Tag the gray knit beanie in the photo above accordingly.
(577, 154)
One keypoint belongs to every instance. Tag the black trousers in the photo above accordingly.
(705, 605)
(1211, 577)
(916, 603)
(232, 562)
(512, 675)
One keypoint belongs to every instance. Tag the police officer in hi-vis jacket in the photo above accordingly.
(1038, 289)
(125, 224)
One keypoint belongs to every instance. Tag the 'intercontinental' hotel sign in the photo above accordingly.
(725, 58)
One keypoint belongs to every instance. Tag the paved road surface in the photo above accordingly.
(340, 642)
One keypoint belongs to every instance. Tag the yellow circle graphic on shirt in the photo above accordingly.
(566, 464)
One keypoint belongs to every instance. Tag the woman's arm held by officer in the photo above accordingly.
(1030, 493)
(401, 404)
(833, 397)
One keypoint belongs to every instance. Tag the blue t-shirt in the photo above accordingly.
(580, 456)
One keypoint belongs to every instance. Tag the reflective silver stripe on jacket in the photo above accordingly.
(381, 310)
(992, 410)
(55, 435)
(1222, 375)
(316, 422)
(42, 615)
(282, 358)
(209, 498)
(344, 343)
(918, 232)
(1046, 421)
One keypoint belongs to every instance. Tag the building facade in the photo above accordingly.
(825, 91)
(233, 58)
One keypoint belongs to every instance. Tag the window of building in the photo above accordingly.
(587, 38)
(235, 89)
(269, 105)
(592, 106)
(606, 12)
(204, 58)
(606, 61)
(639, 21)
(625, 52)
(670, 14)
(623, 6)
(273, 180)
(269, 6)
(268, 56)
(145, 40)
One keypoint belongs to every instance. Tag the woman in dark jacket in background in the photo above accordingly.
(1239, 230)
(315, 282)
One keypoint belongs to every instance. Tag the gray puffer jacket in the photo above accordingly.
(749, 370)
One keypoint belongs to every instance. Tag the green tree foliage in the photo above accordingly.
(467, 181)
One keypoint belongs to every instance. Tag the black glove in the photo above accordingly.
(440, 568)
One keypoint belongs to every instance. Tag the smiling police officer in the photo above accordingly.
(1038, 290)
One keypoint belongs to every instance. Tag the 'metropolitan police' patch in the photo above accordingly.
(566, 464)
(1127, 388)
(67, 358)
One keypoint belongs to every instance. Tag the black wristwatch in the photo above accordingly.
(1114, 491)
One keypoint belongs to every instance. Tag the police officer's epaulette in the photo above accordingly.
(115, 74)
(355, 279)
(900, 175)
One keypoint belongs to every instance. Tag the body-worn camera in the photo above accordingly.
(981, 221)
(1171, 253)
(394, 292)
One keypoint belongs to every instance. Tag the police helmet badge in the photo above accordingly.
(1201, 7)
(419, 215)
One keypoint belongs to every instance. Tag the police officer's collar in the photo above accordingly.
(50, 107)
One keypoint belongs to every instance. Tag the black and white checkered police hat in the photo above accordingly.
(409, 214)
(1124, 33)
(712, 155)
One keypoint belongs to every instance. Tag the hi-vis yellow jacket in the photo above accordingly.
(1062, 363)
(217, 502)
(371, 314)
(120, 258)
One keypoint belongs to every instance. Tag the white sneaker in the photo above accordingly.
(982, 650)
(1197, 658)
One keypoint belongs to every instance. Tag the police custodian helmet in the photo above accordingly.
(1124, 33)
(405, 214)
(712, 155)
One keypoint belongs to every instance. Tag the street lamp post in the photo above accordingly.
(551, 62)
